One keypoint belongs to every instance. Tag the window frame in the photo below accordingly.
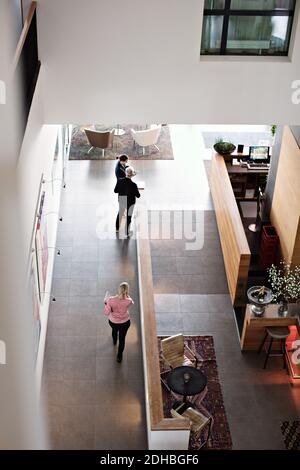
(227, 12)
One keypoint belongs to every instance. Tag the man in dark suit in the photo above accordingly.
(128, 192)
(121, 166)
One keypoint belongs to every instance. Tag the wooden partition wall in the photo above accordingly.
(235, 248)
(285, 210)
(163, 433)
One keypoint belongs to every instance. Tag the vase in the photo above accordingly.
(283, 308)
(259, 304)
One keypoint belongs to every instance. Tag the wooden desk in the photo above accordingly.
(243, 179)
(254, 327)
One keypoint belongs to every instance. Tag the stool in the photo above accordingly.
(275, 332)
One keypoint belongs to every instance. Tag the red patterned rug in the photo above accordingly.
(212, 402)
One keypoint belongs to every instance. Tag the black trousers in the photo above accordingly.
(129, 211)
(121, 329)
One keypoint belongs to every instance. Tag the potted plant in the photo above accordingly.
(273, 130)
(285, 284)
(224, 148)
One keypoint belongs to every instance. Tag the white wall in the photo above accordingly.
(20, 423)
(26, 5)
(36, 159)
(138, 61)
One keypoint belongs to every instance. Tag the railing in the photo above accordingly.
(26, 64)
(158, 426)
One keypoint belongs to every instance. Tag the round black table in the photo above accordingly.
(186, 380)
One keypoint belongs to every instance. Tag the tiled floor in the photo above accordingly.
(95, 403)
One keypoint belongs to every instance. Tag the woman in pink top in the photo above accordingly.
(116, 308)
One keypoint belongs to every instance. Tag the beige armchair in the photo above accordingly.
(100, 139)
(175, 353)
(199, 422)
(147, 137)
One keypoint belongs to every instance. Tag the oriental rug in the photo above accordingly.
(212, 403)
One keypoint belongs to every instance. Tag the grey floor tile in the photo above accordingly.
(83, 287)
(85, 253)
(220, 303)
(165, 284)
(79, 368)
(189, 265)
(72, 427)
(55, 346)
(196, 322)
(82, 325)
(84, 346)
(60, 287)
(85, 305)
(62, 270)
(191, 284)
(165, 303)
(54, 368)
(84, 270)
(65, 239)
(79, 392)
(59, 307)
(194, 303)
(169, 323)
(57, 325)
(163, 265)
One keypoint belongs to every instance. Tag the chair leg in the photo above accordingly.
(262, 343)
(268, 353)
(90, 150)
(157, 148)
(103, 152)
(143, 150)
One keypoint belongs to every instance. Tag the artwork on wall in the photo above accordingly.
(35, 302)
(41, 247)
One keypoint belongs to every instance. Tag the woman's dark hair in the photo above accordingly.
(123, 158)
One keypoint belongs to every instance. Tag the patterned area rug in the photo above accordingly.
(291, 434)
(122, 144)
(212, 402)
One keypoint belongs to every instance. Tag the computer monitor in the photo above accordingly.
(259, 153)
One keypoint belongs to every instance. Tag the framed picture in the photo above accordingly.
(41, 247)
(35, 303)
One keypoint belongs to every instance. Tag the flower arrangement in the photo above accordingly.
(285, 282)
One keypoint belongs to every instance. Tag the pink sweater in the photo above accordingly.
(117, 309)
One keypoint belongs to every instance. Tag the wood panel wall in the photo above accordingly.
(236, 252)
(285, 210)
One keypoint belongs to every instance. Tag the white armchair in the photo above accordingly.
(147, 137)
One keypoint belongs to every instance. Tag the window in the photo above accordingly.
(247, 27)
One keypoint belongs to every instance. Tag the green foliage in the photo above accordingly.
(224, 147)
(273, 130)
